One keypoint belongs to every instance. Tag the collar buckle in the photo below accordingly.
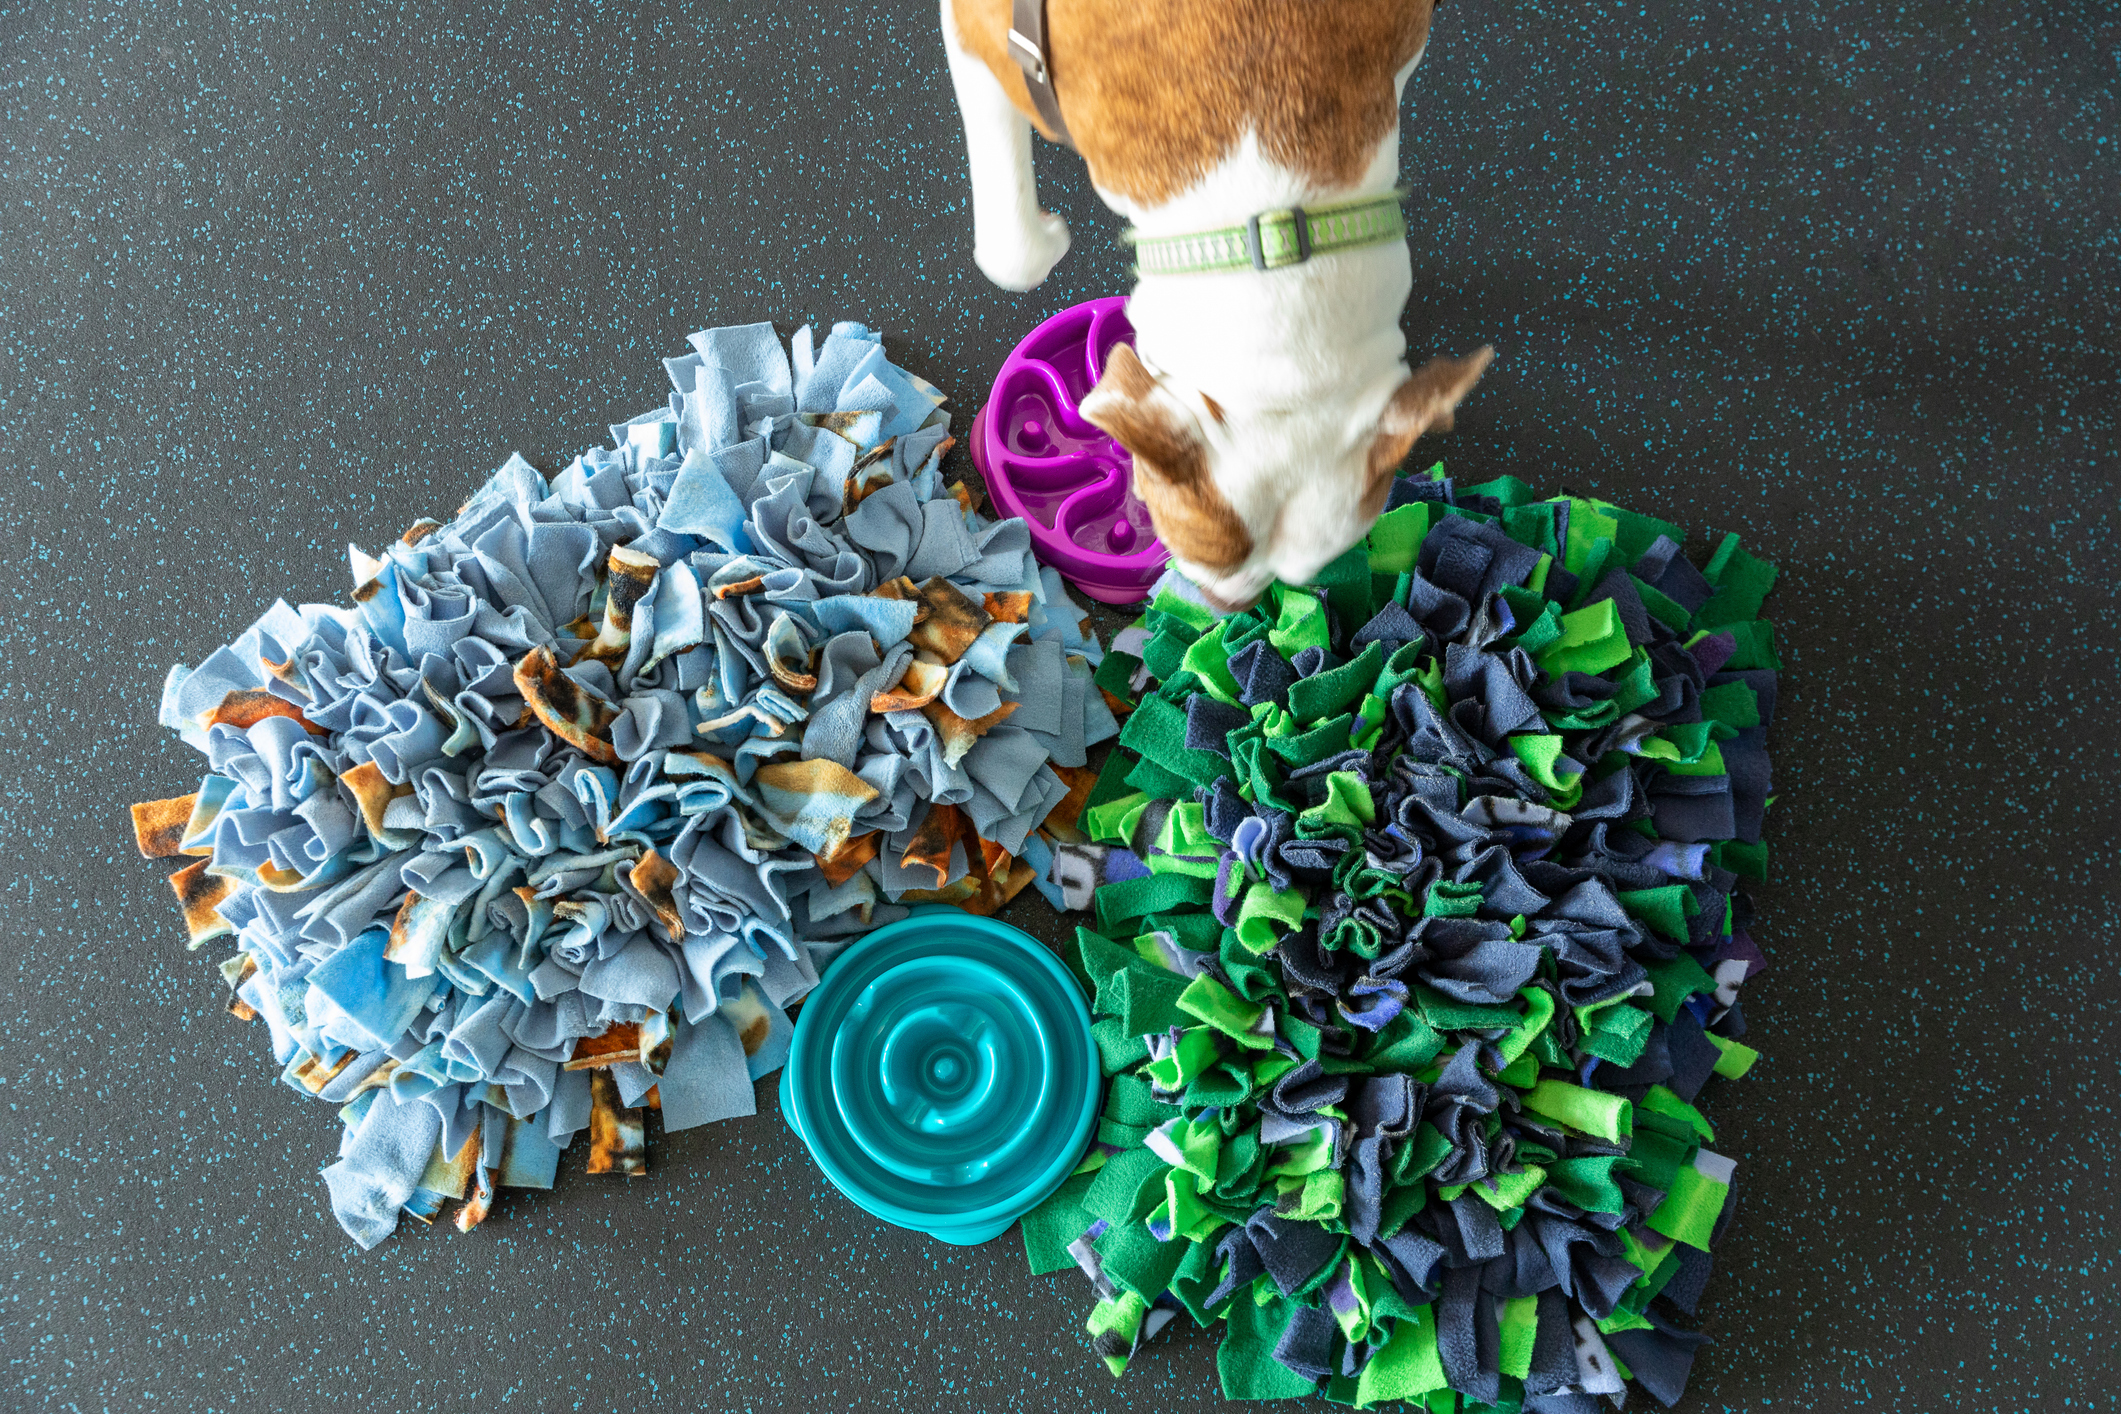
(1300, 237)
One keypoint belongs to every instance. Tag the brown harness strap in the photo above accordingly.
(1027, 45)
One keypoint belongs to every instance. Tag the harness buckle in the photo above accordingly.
(1030, 56)
(1300, 222)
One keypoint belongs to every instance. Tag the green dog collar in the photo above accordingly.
(1271, 240)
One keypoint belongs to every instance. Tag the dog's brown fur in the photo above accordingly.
(1155, 95)
(1170, 466)
(1424, 403)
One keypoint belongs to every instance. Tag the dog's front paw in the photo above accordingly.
(1023, 256)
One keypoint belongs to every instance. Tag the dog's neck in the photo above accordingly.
(1326, 329)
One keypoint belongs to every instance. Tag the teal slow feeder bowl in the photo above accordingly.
(943, 1074)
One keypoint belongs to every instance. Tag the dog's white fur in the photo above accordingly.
(1302, 361)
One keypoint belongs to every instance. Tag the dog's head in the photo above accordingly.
(1244, 498)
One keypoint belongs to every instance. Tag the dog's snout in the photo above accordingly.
(1226, 606)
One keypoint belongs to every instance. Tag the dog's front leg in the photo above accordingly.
(1013, 242)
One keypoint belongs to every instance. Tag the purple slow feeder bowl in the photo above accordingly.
(1069, 481)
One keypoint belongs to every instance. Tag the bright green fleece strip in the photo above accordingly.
(1520, 1331)
(1591, 641)
(1408, 1367)
(1266, 914)
(1171, 606)
(1660, 1100)
(1103, 821)
(1210, 661)
(1212, 1002)
(1591, 536)
(1395, 541)
(1542, 754)
(1184, 845)
(1347, 805)
(1323, 694)
(1300, 625)
(1737, 1057)
(1689, 1211)
(1505, 1191)
(1595, 1112)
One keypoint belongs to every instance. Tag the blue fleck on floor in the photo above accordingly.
(1842, 277)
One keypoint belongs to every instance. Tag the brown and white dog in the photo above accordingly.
(1267, 410)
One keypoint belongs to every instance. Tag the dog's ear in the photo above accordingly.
(1171, 473)
(1151, 424)
(1424, 403)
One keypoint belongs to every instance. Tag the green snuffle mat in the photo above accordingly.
(1418, 939)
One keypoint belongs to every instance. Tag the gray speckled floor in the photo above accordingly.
(1841, 276)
